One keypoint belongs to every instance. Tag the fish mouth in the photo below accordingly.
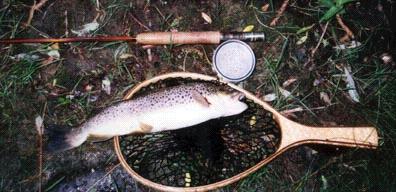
(237, 96)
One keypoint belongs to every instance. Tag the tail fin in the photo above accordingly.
(62, 138)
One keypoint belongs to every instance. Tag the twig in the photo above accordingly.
(206, 55)
(299, 109)
(140, 23)
(280, 12)
(66, 25)
(34, 7)
(317, 45)
(40, 137)
(349, 33)
(320, 40)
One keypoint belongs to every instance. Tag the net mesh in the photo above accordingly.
(203, 154)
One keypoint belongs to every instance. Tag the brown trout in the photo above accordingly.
(166, 109)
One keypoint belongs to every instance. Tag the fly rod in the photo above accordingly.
(153, 38)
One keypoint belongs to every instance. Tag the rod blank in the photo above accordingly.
(152, 38)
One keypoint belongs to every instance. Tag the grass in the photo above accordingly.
(22, 88)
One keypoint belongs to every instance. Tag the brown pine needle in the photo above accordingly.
(320, 40)
(348, 31)
(280, 12)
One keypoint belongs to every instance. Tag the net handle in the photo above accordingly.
(293, 132)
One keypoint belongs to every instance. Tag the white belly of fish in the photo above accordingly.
(161, 119)
(176, 117)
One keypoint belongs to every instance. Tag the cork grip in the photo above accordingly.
(163, 38)
(362, 137)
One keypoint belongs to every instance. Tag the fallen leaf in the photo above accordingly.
(265, 7)
(351, 85)
(302, 39)
(48, 60)
(120, 51)
(206, 17)
(125, 56)
(106, 85)
(349, 167)
(269, 97)
(272, 96)
(350, 45)
(304, 29)
(24, 56)
(92, 98)
(248, 28)
(54, 53)
(289, 82)
(325, 184)
(88, 88)
(297, 109)
(325, 97)
(39, 125)
(285, 92)
(253, 121)
(86, 29)
(55, 46)
(386, 58)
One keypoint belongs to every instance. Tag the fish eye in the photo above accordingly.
(241, 96)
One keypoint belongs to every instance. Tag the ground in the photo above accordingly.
(301, 47)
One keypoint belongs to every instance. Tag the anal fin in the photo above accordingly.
(98, 138)
(145, 128)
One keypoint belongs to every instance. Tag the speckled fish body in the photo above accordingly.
(167, 109)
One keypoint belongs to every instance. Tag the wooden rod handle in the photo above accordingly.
(163, 38)
(362, 137)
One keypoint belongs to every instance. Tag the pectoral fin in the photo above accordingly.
(200, 99)
(145, 128)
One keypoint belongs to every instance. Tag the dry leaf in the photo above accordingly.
(351, 85)
(349, 45)
(297, 109)
(86, 29)
(269, 97)
(302, 39)
(55, 46)
(265, 7)
(285, 92)
(106, 85)
(206, 17)
(54, 53)
(325, 97)
(248, 28)
(289, 82)
(126, 56)
(253, 121)
(47, 60)
(39, 125)
(24, 56)
(272, 96)
(386, 58)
